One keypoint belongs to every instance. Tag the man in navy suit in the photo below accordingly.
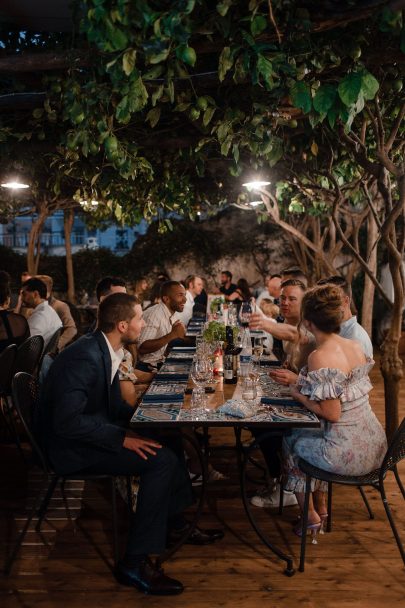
(83, 420)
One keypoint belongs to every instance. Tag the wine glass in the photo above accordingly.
(200, 371)
(258, 349)
(245, 313)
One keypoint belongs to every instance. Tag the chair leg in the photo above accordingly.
(45, 502)
(114, 521)
(129, 495)
(14, 432)
(391, 520)
(364, 497)
(329, 520)
(399, 482)
(305, 523)
(21, 536)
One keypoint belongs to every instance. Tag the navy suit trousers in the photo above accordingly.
(164, 491)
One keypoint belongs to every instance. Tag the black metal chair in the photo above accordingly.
(51, 348)
(29, 354)
(395, 453)
(7, 360)
(7, 364)
(25, 393)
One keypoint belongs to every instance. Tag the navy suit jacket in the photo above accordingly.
(81, 414)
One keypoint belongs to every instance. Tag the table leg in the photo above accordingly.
(243, 457)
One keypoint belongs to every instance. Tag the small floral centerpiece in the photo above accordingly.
(216, 303)
(216, 332)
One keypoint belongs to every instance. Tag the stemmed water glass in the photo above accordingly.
(258, 349)
(200, 371)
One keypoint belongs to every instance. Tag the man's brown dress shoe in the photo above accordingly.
(197, 536)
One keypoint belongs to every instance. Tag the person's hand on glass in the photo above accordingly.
(256, 320)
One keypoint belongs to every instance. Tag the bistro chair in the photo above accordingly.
(7, 360)
(29, 354)
(7, 364)
(395, 453)
(25, 393)
(48, 355)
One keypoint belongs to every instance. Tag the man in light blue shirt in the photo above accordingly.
(350, 328)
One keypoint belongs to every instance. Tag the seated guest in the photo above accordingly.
(63, 310)
(155, 294)
(269, 309)
(161, 324)
(297, 343)
(108, 285)
(19, 307)
(141, 288)
(227, 287)
(335, 386)
(294, 272)
(105, 287)
(44, 321)
(241, 294)
(272, 290)
(349, 327)
(13, 327)
(194, 286)
(81, 425)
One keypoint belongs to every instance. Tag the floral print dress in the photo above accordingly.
(354, 445)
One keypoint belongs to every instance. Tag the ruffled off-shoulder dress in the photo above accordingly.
(354, 445)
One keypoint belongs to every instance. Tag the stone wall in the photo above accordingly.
(259, 249)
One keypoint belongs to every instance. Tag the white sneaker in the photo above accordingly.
(270, 497)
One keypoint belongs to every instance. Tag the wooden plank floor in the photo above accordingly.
(69, 563)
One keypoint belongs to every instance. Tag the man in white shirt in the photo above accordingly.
(44, 321)
(194, 286)
(272, 290)
(350, 328)
(63, 310)
(162, 326)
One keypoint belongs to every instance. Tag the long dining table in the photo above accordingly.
(166, 405)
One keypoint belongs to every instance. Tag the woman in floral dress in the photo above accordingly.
(335, 386)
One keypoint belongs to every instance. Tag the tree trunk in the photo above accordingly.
(34, 241)
(369, 287)
(68, 219)
(391, 362)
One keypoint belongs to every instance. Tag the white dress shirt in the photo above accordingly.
(187, 312)
(159, 321)
(116, 357)
(352, 330)
(44, 321)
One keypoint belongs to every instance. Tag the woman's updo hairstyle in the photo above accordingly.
(322, 306)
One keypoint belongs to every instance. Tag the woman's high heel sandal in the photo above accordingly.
(313, 529)
(324, 521)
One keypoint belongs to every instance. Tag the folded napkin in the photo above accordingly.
(268, 363)
(237, 408)
(162, 397)
(279, 401)
(171, 376)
